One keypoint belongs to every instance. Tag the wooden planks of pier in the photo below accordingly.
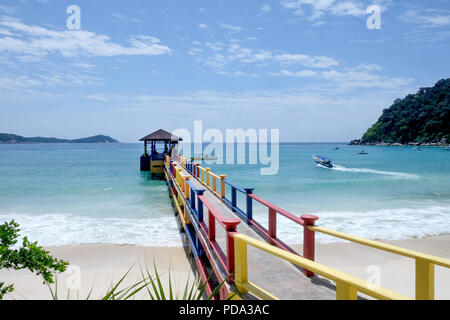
(281, 278)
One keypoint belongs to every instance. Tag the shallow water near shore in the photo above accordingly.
(67, 194)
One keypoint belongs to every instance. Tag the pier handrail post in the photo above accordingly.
(233, 198)
(200, 205)
(248, 192)
(230, 250)
(211, 226)
(202, 179)
(198, 170)
(308, 240)
(192, 199)
(272, 225)
(174, 170)
(180, 183)
(424, 280)
(241, 271)
(207, 176)
(222, 185)
(214, 183)
(186, 187)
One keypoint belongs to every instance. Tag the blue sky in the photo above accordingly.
(309, 68)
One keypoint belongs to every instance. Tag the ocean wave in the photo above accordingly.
(59, 229)
(383, 224)
(398, 175)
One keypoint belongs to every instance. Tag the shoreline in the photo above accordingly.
(397, 144)
(102, 264)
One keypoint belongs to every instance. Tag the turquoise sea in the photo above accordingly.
(66, 194)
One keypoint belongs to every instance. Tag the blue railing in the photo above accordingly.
(247, 215)
(232, 203)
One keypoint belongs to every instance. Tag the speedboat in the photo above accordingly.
(323, 161)
(362, 152)
(203, 157)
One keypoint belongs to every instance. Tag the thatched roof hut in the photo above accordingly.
(161, 135)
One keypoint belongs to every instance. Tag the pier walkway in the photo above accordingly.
(250, 261)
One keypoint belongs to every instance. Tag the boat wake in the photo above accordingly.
(398, 175)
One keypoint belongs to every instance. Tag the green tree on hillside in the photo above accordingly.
(423, 117)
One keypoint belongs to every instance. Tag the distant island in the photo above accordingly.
(6, 138)
(418, 119)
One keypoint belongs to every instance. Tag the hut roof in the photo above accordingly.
(161, 135)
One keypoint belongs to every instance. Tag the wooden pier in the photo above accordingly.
(233, 249)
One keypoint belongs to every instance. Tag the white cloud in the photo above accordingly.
(266, 8)
(239, 74)
(202, 26)
(364, 79)
(18, 82)
(432, 18)
(83, 65)
(8, 10)
(299, 74)
(350, 78)
(233, 52)
(39, 41)
(306, 60)
(97, 97)
(231, 27)
(316, 9)
(125, 18)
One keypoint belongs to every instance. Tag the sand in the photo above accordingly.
(395, 272)
(99, 267)
(102, 265)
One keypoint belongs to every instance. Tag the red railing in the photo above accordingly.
(271, 234)
(229, 225)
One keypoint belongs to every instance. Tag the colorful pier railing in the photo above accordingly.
(189, 185)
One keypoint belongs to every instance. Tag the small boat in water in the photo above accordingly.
(337, 148)
(323, 161)
(203, 157)
(362, 152)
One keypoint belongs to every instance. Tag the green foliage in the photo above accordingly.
(423, 117)
(153, 285)
(29, 256)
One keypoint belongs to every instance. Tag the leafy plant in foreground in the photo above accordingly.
(30, 256)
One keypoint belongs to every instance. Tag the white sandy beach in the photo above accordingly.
(396, 272)
(103, 264)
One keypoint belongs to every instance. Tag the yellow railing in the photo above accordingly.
(347, 286)
(424, 262)
(208, 178)
(183, 191)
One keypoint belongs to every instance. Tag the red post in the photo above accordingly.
(230, 250)
(272, 225)
(308, 240)
(211, 226)
(174, 170)
(198, 170)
